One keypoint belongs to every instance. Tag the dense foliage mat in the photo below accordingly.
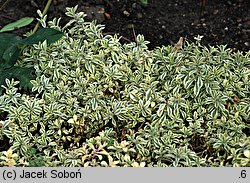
(96, 102)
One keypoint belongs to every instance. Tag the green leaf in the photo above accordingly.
(9, 50)
(161, 110)
(214, 113)
(6, 132)
(169, 111)
(134, 96)
(18, 24)
(148, 95)
(10, 57)
(49, 34)
(198, 86)
(144, 2)
(247, 153)
(22, 74)
(187, 82)
(224, 98)
(94, 104)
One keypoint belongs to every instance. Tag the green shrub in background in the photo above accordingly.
(95, 102)
(11, 45)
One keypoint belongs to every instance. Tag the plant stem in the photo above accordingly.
(4, 4)
(44, 13)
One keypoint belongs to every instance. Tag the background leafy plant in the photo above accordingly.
(10, 49)
(11, 46)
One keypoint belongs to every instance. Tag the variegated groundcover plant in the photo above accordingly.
(97, 102)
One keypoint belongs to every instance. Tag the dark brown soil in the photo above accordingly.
(162, 22)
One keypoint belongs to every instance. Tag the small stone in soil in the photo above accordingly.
(126, 13)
